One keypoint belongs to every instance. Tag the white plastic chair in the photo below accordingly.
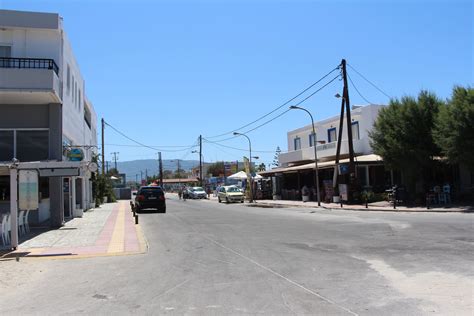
(21, 225)
(25, 221)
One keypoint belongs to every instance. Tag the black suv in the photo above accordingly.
(150, 197)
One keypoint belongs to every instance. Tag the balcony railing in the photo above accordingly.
(36, 63)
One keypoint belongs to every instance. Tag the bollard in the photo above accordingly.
(136, 219)
(340, 200)
(366, 203)
(395, 204)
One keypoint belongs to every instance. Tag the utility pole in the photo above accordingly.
(146, 175)
(345, 105)
(160, 168)
(200, 160)
(107, 166)
(103, 147)
(115, 153)
(136, 180)
(141, 177)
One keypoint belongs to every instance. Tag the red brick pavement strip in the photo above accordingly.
(131, 241)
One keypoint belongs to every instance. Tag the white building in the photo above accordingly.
(44, 110)
(301, 140)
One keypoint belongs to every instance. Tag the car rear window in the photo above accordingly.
(151, 190)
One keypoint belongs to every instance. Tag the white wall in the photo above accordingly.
(32, 43)
(365, 116)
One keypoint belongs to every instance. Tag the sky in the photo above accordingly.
(165, 72)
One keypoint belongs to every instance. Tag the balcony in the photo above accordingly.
(29, 81)
(325, 152)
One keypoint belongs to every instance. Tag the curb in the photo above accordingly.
(278, 205)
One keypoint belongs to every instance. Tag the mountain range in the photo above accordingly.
(135, 167)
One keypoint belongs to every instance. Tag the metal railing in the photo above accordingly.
(35, 63)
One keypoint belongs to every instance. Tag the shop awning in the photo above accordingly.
(365, 159)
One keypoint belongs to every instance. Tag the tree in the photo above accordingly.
(167, 174)
(261, 167)
(402, 135)
(216, 169)
(275, 158)
(454, 127)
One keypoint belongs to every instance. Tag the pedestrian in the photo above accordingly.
(180, 192)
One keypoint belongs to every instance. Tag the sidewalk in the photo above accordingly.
(106, 231)
(376, 206)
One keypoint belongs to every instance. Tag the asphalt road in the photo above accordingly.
(207, 258)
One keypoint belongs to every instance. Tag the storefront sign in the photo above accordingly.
(75, 154)
(27, 190)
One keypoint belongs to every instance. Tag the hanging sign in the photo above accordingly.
(75, 154)
(27, 190)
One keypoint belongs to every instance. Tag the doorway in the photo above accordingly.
(67, 198)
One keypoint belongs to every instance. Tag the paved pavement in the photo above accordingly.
(376, 206)
(207, 258)
(108, 230)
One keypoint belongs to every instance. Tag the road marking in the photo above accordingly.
(268, 269)
(281, 276)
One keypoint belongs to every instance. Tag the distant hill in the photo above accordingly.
(133, 167)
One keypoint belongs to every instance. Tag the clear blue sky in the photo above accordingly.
(164, 72)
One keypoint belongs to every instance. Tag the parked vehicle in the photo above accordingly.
(229, 194)
(197, 193)
(150, 197)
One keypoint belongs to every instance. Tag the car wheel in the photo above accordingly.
(242, 201)
(137, 209)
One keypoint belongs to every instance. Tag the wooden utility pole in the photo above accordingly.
(345, 106)
(160, 167)
(115, 153)
(103, 147)
(200, 160)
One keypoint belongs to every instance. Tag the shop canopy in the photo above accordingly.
(365, 159)
(241, 175)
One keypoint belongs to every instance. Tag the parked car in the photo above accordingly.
(197, 193)
(229, 194)
(150, 197)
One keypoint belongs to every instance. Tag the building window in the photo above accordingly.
(6, 146)
(4, 188)
(332, 136)
(68, 80)
(312, 139)
(355, 130)
(297, 143)
(32, 145)
(73, 88)
(6, 51)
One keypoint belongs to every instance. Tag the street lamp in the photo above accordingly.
(250, 163)
(294, 107)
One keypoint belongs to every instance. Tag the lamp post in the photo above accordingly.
(294, 107)
(250, 163)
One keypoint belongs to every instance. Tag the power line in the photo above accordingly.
(135, 141)
(283, 113)
(157, 148)
(358, 90)
(277, 108)
(235, 148)
(373, 84)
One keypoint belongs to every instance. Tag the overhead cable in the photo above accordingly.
(277, 108)
(137, 142)
(358, 90)
(283, 113)
(373, 84)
